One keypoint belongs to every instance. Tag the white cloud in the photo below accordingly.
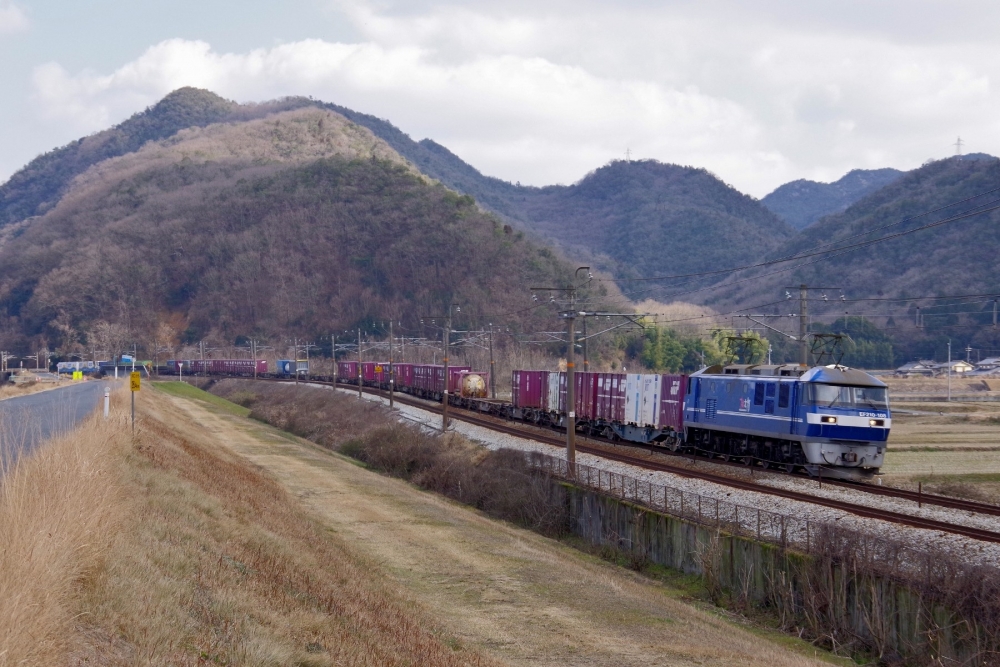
(543, 94)
(12, 18)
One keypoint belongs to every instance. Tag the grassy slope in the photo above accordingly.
(218, 564)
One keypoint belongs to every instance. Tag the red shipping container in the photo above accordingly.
(672, 401)
(528, 389)
(585, 395)
(368, 371)
(404, 375)
(611, 397)
(347, 371)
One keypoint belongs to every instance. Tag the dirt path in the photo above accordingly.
(518, 596)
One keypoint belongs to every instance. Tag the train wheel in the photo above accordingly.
(748, 460)
(789, 468)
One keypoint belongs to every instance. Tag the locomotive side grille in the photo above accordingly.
(711, 408)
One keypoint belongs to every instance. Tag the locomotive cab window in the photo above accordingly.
(839, 396)
(783, 390)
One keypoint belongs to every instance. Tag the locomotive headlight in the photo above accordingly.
(876, 422)
(828, 420)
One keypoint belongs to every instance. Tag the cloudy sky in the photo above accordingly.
(539, 92)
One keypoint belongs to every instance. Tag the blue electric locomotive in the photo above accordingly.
(828, 417)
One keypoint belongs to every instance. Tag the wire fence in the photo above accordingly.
(821, 538)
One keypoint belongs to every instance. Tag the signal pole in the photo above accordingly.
(359, 362)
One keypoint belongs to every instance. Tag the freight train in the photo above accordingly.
(829, 420)
(791, 417)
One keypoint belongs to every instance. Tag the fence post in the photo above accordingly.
(758, 524)
(716, 512)
(699, 508)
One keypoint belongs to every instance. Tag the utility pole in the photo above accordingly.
(493, 375)
(586, 362)
(570, 388)
(253, 356)
(359, 362)
(570, 315)
(444, 402)
(391, 377)
(803, 315)
(949, 370)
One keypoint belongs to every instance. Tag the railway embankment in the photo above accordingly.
(846, 589)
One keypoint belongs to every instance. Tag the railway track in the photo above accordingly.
(744, 485)
(606, 451)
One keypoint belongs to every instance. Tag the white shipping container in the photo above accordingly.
(552, 397)
(633, 398)
(650, 401)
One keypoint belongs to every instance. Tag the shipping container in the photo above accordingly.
(368, 372)
(347, 371)
(611, 397)
(672, 402)
(528, 389)
(404, 375)
(585, 386)
(650, 412)
(555, 398)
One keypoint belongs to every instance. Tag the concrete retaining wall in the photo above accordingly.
(826, 598)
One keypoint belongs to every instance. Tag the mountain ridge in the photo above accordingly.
(802, 202)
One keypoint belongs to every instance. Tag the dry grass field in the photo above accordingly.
(10, 390)
(949, 447)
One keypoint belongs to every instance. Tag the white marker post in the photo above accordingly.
(107, 401)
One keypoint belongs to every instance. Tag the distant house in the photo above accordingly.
(958, 367)
(916, 369)
(988, 364)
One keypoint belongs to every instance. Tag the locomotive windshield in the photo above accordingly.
(840, 396)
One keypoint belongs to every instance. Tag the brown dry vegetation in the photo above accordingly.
(11, 390)
(170, 550)
(59, 509)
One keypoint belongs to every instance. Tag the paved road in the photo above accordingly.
(28, 420)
